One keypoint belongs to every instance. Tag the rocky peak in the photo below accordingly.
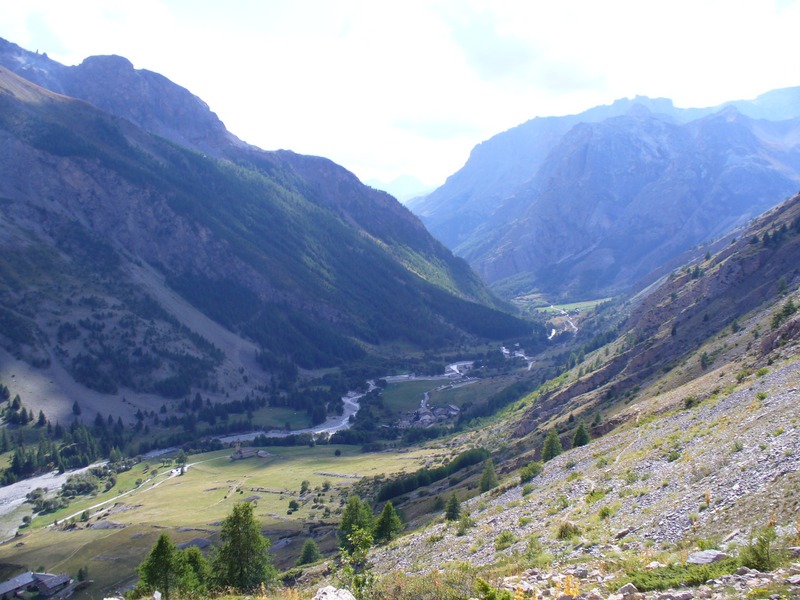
(147, 99)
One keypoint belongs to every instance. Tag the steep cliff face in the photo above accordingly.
(591, 203)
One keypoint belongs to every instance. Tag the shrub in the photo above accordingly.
(595, 495)
(464, 523)
(567, 530)
(535, 555)
(504, 540)
(759, 554)
(529, 471)
(674, 576)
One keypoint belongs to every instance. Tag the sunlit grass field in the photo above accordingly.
(119, 534)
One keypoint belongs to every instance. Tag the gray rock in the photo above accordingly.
(706, 557)
(793, 580)
(628, 589)
(331, 593)
(622, 533)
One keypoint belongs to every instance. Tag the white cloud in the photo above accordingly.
(388, 88)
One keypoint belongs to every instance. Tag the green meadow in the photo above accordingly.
(116, 536)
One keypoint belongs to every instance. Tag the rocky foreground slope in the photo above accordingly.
(671, 481)
(697, 448)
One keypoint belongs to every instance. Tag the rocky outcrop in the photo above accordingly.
(332, 593)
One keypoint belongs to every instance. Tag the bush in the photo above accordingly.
(759, 554)
(595, 495)
(674, 576)
(567, 530)
(504, 540)
(464, 523)
(529, 471)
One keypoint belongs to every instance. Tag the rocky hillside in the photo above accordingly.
(117, 243)
(694, 449)
(585, 205)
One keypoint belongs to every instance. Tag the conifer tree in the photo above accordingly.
(309, 554)
(388, 524)
(356, 514)
(581, 437)
(488, 477)
(242, 562)
(163, 568)
(552, 446)
(453, 509)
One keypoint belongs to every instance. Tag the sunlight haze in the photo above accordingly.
(390, 89)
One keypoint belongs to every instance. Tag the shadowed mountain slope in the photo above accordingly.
(587, 204)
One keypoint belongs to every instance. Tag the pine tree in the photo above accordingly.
(309, 554)
(388, 524)
(453, 509)
(581, 437)
(356, 514)
(552, 446)
(488, 477)
(242, 562)
(163, 568)
(198, 571)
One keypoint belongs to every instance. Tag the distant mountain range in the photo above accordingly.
(404, 187)
(119, 189)
(585, 205)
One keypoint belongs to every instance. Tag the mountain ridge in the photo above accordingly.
(510, 209)
(288, 251)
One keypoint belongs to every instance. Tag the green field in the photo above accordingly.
(405, 396)
(582, 306)
(119, 534)
(474, 393)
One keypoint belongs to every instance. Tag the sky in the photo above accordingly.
(389, 88)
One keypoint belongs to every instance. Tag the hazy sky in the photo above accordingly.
(409, 87)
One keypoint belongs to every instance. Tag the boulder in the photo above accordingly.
(628, 589)
(706, 557)
(331, 593)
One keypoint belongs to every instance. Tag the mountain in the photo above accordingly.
(692, 448)
(133, 261)
(700, 304)
(585, 205)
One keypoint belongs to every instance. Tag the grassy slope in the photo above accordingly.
(192, 505)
